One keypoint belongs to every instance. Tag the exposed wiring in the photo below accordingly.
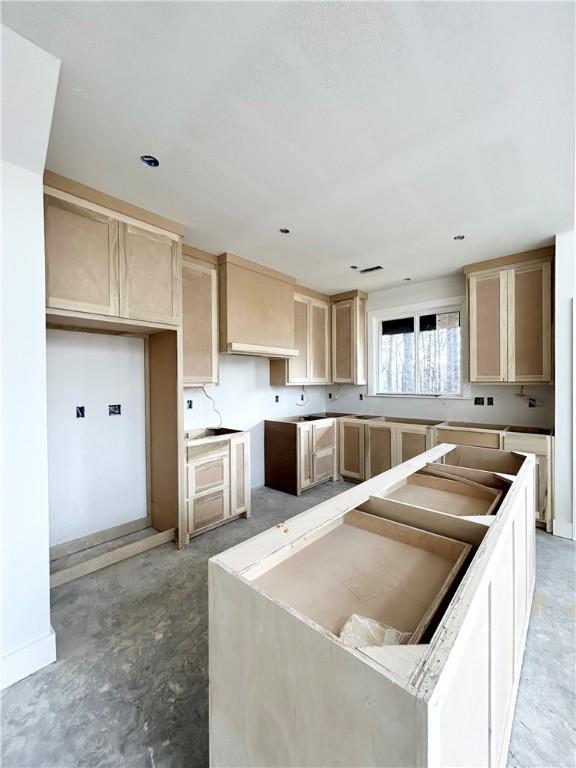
(533, 402)
(337, 395)
(305, 401)
(213, 406)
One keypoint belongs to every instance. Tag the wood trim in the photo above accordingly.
(312, 293)
(514, 259)
(89, 194)
(196, 253)
(231, 258)
(348, 295)
(237, 348)
(86, 321)
(110, 558)
(100, 537)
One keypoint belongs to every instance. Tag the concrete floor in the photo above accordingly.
(130, 688)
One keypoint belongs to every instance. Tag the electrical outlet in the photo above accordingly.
(189, 404)
(361, 396)
(114, 410)
(80, 412)
(489, 401)
(276, 398)
(478, 401)
(329, 395)
(301, 398)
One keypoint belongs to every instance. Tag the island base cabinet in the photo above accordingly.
(286, 691)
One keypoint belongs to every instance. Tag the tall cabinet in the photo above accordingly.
(113, 268)
(199, 319)
(510, 318)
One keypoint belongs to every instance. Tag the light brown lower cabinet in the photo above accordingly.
(446, 696)
(217, 470)
(543, 447)
(481, 437)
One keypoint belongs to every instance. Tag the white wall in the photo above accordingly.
(96, 465)
(29, 81)
(507, 408)
(565, 284)
(245, 398)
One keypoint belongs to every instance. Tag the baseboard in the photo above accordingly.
(30, 658)
(101, 537)
(563, 528)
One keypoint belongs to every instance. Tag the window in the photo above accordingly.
(419, 353)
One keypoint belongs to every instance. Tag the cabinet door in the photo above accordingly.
(81, 258)
(323, 450)
(410, 442)
(487, 296)
(343, 342)
(240, 475)
(530, 323)
(299, 367)
(305, 451)
(319, 342)
(379, 449)
(199, 322)
(352, 449)
(149, 275)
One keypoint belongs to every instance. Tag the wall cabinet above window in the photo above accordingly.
(98, 263)
(510, 319)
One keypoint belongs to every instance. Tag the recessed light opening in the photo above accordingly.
(150, 161)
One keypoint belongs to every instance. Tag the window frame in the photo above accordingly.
(438, 306)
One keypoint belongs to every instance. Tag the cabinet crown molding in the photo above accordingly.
(542, 254)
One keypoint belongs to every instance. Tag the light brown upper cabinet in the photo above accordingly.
(149, 275)
(510, 315)
(81, 258)
(312, 340)
(99, 262)
(256, 309)
(199, 322)
(349, 338)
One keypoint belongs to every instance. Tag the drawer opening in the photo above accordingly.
(368, 564)
(446, 493)
(488, 459)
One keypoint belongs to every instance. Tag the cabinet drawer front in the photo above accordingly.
(537, 444)
(207, 475)
(461, 437)
(324, 437)
(81, 258)
(208, 509)
(207, 450)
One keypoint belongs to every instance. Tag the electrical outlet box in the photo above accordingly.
(189, 404)
(478, 401)
(276, 398)
(361, 396)
(80, 412)
(114, 410)
(302, 398)
(329, 395)
(489, 401)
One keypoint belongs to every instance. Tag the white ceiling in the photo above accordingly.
(374, 131)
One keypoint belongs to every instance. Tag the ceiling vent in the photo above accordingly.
(369, 269)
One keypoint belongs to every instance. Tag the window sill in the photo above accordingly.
(421, 397)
